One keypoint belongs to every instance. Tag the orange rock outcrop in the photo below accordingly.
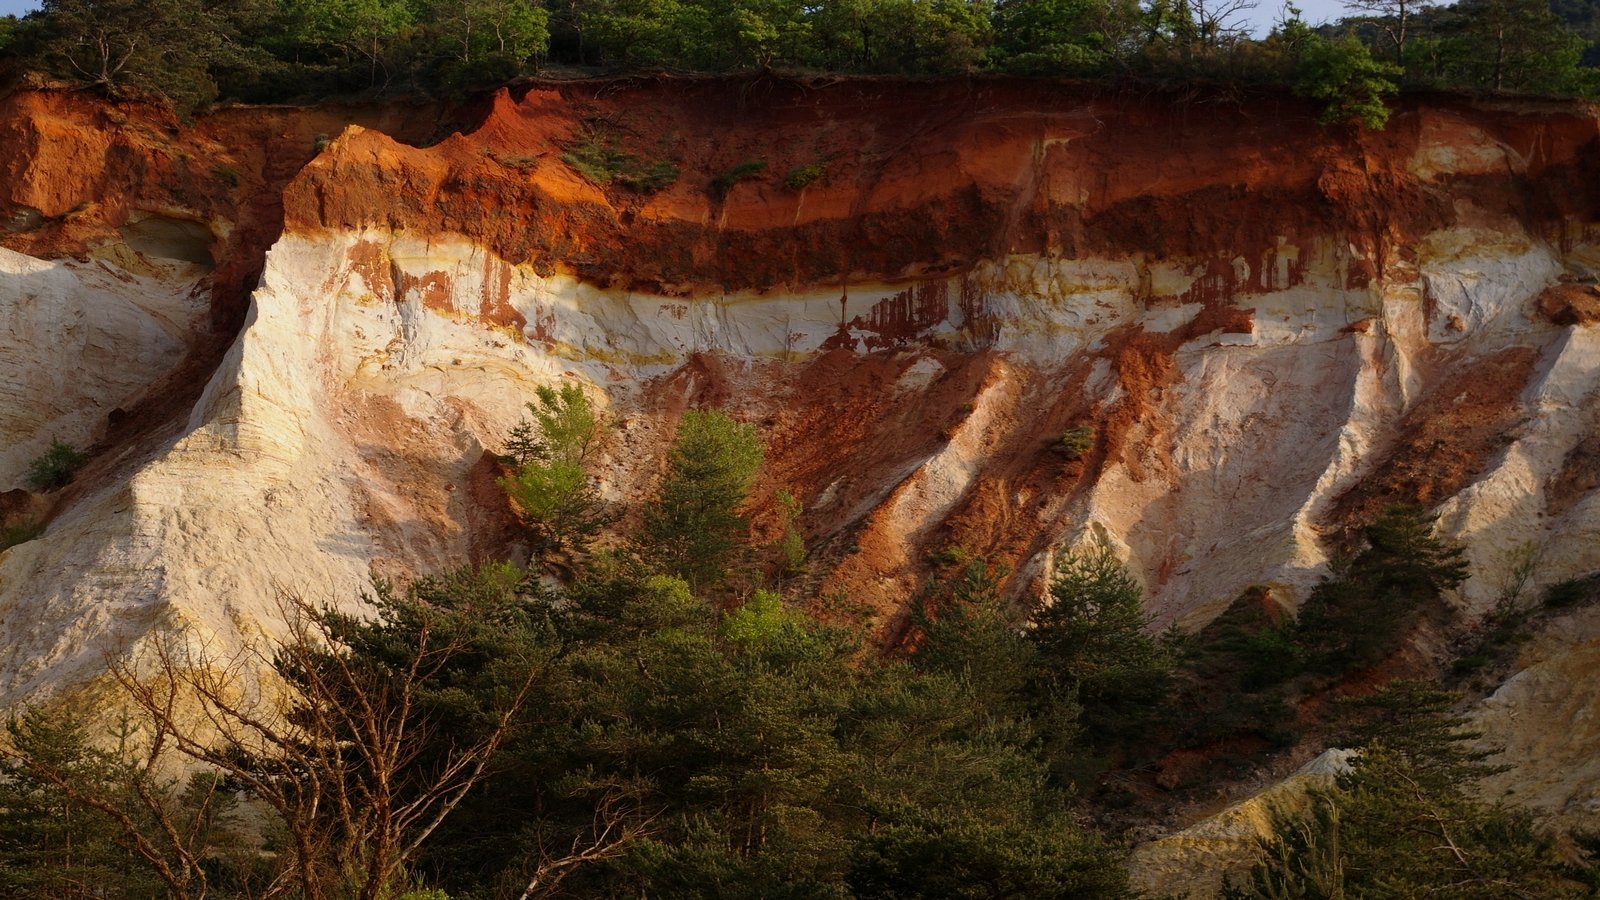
(930, 177)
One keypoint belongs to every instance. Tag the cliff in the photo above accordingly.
(293, 339)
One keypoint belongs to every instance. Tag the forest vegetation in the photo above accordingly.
(195, 52)
(660, 708)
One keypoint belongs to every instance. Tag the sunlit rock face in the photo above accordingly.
(82, 340)
(317, 347)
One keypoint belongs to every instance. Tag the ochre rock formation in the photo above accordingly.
(294, 337)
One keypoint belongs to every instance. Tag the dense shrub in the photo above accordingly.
(802, 177)
(1075, 442)
(1572, 592)
(597, 158)
(748, 169)
(55, 467)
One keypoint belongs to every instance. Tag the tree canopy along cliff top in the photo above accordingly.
(194, 52)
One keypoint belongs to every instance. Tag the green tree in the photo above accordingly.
(168, 47)
(745, 33)
(50, 844)
(763, 622)
(261, 65)
(790, 549)
(1405, 554)
(965, 629)
(486, 41)
(361, 36)
(649, 33)
(1092, 637)
(1170, 33)
(930, 36)
(552, 486)
(386, 724)
(1511, 45)
(842, 37)
(1061, 36)
(908, 36)
(759, 753)
(918, 854)
(1277, 57)
(1344, 74)
(1402, 821)
(1361, 614)
(1583, 16)
(694, 523)
(1394, 18)
(92, 815)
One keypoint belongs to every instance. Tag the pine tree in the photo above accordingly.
(552, 487)
(1365, 610)
(694, 523)
(1092, 638)
(66, 807)
(1402, 822)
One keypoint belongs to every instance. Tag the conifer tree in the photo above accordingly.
(1403, 821)
(694, 523)
(1092, 638)
(51, 845)
(1363, 611)
(553, 487)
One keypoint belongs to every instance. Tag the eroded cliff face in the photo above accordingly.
(1273, 329)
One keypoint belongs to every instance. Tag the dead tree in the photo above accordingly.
(1393, 18)
(342, 745)
(341, 751)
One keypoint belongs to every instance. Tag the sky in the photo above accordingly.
(1260, 19)
(1267, 12)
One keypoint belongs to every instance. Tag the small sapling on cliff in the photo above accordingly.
(55, 467)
